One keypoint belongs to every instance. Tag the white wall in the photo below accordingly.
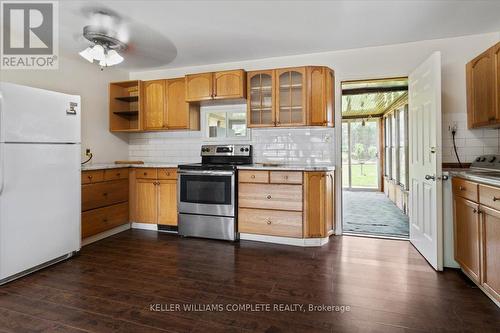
(78, 77)
(390, 61)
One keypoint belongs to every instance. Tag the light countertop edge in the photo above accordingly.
(475, 178)
(287, 167)
(102, 166)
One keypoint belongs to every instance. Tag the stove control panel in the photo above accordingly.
(226, 150)
(491, 162)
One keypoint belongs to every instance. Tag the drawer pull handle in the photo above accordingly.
(105, 194)
(268, 196)
(90, 177)
(105, 220)
(252, 176)
(496, 199)
(268, 221)
(145, 173)
(461, 188)
(118, 174)
(168, 173)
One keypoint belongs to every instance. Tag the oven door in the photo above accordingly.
(206, 192)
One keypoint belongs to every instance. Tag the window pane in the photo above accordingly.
(237, 124)
(216, 122)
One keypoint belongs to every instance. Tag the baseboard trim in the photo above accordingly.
(304, 242)
(105, 234)
(144, 226)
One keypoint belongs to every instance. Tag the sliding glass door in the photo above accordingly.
(360, 156)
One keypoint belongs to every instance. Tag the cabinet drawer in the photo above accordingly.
(253, 176)
(489, 196)
(104, 194)
(270, 222)
(99, 220)
(465, 189)
(113, 174)
(280, 197)
(286, 177)
(146, 173)
(167, 174)
(92, 176)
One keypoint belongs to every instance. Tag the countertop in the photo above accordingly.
(287, 167)
(101, 166)
(483, 177)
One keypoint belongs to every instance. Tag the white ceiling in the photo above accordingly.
(205, 32)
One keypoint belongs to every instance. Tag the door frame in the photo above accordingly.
(338, 137)
(378, 164)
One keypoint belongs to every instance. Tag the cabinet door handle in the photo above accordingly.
(268, 220)
(268, 196)
(474, 210)
(105, 220)
(105, 194)
(496, 199)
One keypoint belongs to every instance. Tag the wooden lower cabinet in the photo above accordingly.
(105, 200)
(101, 219)
(287, 204)
(155, 197)
(477, 235)
(467, 246)
(490, 232)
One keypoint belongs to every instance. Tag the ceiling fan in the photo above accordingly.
(112, 39)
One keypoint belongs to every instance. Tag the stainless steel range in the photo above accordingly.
(207, 192)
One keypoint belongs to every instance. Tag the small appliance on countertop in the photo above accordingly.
(207, 192)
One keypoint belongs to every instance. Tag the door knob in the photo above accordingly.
(429, 177)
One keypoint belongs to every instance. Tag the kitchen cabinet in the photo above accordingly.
(483, 85)
(125, 106)
(467, 243)
(319, 199)
(477, 234)
(155, 107)
(217, 85)
(165, 107)
(261, 99)
(155, 196)
(179, 113)
(105, 200)
(286, 203)
(286, 97)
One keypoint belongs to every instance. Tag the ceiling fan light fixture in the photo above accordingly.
(87, 54)
(98, 52)
(113, 58)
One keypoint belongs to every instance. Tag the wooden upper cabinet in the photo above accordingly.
(291, 96)
(180, 114)
(496, 62)
(218, 85)
(467, 236)
(321, 96)
(154, 105)
(261, 99)
(482, 89)
(199, 87)
(229, 84)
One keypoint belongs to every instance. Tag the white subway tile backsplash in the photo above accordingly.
(277, 145)
(470, 142)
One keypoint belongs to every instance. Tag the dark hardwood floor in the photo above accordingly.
(112, 284)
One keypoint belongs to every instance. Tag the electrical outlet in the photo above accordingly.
(87, 152)
(453, 127)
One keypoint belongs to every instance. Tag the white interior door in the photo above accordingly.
(425, 160)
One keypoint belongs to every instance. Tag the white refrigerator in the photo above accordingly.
(40, 200)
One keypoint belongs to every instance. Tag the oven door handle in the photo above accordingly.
(205, 172)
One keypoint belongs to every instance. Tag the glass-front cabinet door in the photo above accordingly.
(291, 96)
(261, 99)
